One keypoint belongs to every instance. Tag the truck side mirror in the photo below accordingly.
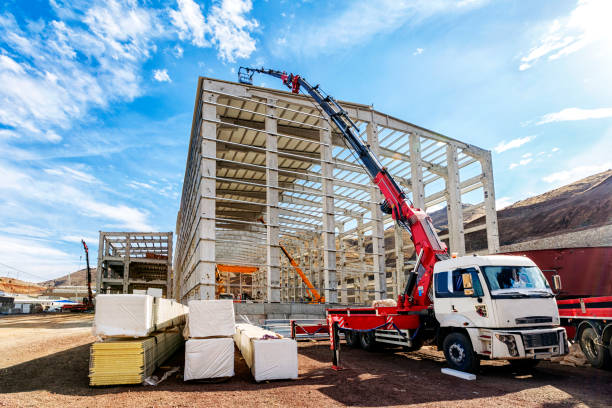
(468, 287)
(557, 283)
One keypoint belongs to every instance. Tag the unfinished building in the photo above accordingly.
(258, 154)
(134, 261)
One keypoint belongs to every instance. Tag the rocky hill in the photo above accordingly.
(12, 285)
(78, 278)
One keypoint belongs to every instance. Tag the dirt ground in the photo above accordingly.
(44, 362)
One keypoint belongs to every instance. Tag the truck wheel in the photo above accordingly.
(352, 338)
(524, 364)
(368, 341)
(595, 352)
(459, 353)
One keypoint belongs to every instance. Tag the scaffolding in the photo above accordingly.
(129, 261)
(261, 152)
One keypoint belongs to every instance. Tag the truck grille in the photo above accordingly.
(541, 339)
(533, 320)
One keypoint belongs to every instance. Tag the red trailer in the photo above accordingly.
(585, 301)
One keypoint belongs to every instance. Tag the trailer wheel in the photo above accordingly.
(368, 341)
(352, 339)
(459, 353)
(593, 350)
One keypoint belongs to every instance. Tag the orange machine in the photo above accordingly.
(315, 297)
(224, 268)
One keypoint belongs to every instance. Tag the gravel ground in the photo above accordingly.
(44, 362)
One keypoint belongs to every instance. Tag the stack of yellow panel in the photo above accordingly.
(129, 361)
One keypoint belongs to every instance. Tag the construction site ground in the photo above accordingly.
(44, 361)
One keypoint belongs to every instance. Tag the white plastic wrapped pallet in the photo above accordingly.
(167, 313)
(268, 358)
(209, 318)
(209, 358)
(123, 315)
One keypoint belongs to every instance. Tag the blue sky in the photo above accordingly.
(97, 96)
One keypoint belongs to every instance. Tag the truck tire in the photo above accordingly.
(352, 339)
(459, 353)
(368, 341)
(595, 352)
(524, 364)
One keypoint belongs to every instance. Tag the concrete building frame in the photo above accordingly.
(257, 152)
(130, 261)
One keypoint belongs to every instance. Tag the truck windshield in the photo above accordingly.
(507, 279)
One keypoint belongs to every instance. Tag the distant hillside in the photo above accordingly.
(584, 204)
(16, 286)
(78, 278)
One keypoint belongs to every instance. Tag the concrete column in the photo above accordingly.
(399, 261)
(329, 222)
(489, 200)
(205, 269)
(169, 276)
(99, 271)
(416, 172)
(343, 277)
(126, 265)
(455, 210)
(363, 278)
(273, 272)
(378, 232)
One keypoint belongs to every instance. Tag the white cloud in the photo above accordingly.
(89, 240)
(526, 155)
(137, 184)
(570, 114)
(503, 202)
(89, 60)
(65, 171)
(588, 23)
(512, 144)
(178, 51)
(555, 149)
(51, 194)
(91, 54)
(231, 30)
(227, 27)
(418, 51)
(361, 21)
(34, 257)
(523, 162)
(161, 75)
(576, 173)
(190, 23)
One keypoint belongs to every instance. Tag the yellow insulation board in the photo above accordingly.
(116, 361)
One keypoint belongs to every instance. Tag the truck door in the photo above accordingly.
(456, 304)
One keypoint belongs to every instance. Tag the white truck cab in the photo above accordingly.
(497, 307)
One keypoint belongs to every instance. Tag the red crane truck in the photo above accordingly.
(473, 307)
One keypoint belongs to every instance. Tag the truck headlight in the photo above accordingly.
(510, 342)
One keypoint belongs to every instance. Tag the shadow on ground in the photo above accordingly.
(382, 378)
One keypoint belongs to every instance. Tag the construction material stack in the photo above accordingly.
(137, 334)
(269, 355)
(209, 351)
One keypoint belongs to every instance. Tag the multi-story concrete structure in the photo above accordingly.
(257, 152)
(129, 261)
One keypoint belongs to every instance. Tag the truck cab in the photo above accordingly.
(496, 307)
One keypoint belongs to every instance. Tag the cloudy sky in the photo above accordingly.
(96, 97)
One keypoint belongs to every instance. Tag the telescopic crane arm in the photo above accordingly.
(414, 220)
(89, 292)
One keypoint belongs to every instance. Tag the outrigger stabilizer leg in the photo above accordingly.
(335, 347)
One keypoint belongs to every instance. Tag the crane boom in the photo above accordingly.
(414, 220)
(315, 296)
